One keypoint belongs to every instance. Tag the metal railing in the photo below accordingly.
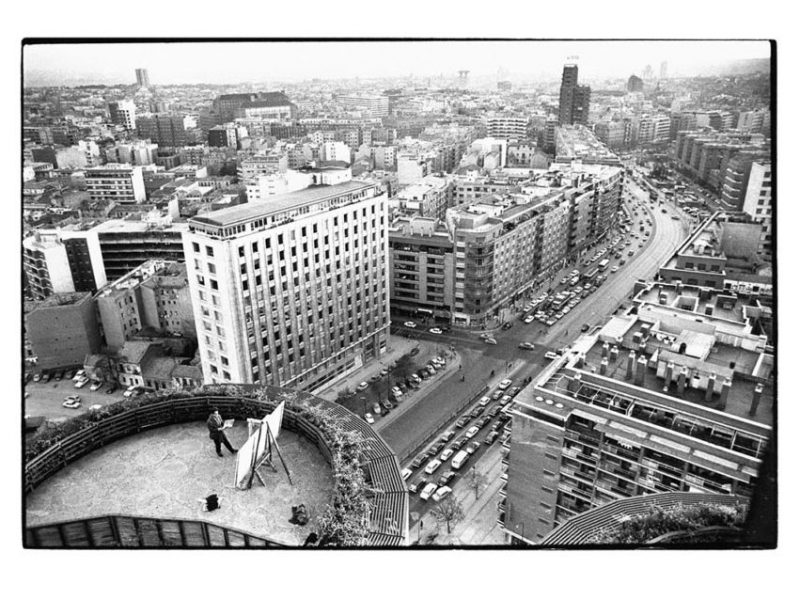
(126, 531)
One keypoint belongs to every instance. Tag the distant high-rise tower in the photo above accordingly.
(662, 73)
(142, 78)
(573, 104)
(647, 74)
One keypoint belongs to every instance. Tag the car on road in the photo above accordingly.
(96, 385)
(410, 324)
(584, 328)
(664, 210)
(37, 377)
(506, 383)
(436, 448)
(462, 421)
(495, 411)
(550, 355)
(527, 346)
(419, 461)
(675, 218)
(441, 493)
(431, 467)
(362, 386)
(458, 443)
(446, 477)
(416, 486)
(472, 432)
(484, 400)
(431, 369)
(497, 394)
(476, 412)
(514, 391)
(435, 330)
(428, 490)
(505, 400)
(630, 252)
(507, 325)
(483, 421)
(80, 383)
(387, 406)
(72, 402)
(528, 320)
(397, 391)
(472, 447)
(369, 418)
(45, 377)
(446, 454)
(615, 268)
(447, 436)
(58, 376)
(80, 374)
(622, 261)
(406, 473)
(490, 340)
(424, 373)
(375, 378)
(384, 372)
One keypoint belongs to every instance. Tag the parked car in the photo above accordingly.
(419, 461)
(505, 400)
(458, 443)
(476, 412)
(495, 410)
(527, 346)
(462, 422)
(428, 490)
(528, 320)
(410, 324)
(550, 355)
(37, 377)
(58, 376)
(96, 386)
(491, 341)
(485, 420)
(472, 447)
(491, 437)
(497, 394)
(424, 373)
(414, 351)
(80, 383)
(484, 400)
(111, 388)
(505, 383)
(369, 418)
(416, 486)
(446, 454)
(447, 435)
(387, 406)
(431, 467)
(406, 473)
(437, 447)
(129, 392)
(441, 493)
(472, 431)
(514, 391)
(435, 330)
(80, 374)
(45, 377)
(446, 477)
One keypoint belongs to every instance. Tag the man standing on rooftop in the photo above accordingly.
(216, 431)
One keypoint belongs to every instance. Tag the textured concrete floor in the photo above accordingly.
(165, 472)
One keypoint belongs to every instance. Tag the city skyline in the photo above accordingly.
(193, 62)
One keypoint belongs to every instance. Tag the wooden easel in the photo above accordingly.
(266, 460)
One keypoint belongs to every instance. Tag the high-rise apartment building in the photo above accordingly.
(119, 183)
(758, 201)
(371, 105)
(123, 113)
(676, 395)
(62, 261)
(142, 78)
(171, 131)
(294, 291)
(573, 104)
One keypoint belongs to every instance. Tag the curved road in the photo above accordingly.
(480, 359)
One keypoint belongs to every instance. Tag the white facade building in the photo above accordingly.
(120, 183)
(294, 291)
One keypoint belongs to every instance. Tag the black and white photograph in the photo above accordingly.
(399, 295)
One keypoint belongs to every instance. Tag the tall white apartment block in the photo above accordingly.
(123, 113)
(758, 201)
(291, 292)
(120, 183)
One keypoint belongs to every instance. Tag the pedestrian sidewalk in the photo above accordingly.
(479, 525)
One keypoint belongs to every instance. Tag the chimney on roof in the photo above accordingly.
(605, 350)
(614, 353)
(759, 389)
(574, 384)
(682, 377)
(668, 375)
(723, 395)
(712, 379)
(641, 367)
(631, 362)
(580, 362)
(603, 366)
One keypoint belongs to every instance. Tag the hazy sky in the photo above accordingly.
(228, 62)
